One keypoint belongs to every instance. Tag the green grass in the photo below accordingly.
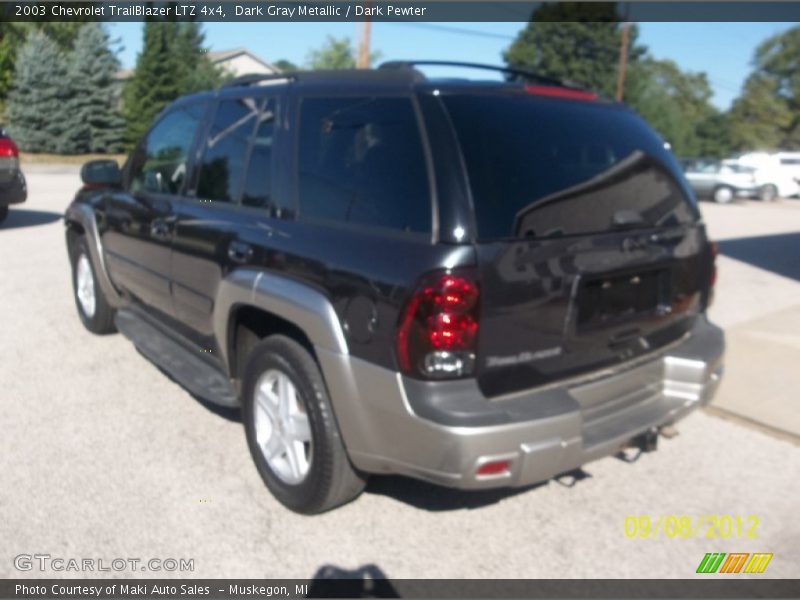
(69, 159)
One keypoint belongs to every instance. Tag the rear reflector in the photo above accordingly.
(497, 467)
(561, 92)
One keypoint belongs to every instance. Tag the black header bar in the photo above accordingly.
(302, 11)
(709, 587)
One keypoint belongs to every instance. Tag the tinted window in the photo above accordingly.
(361, 161)
(159, 163)
(541, 167)
(258, 181)
(225, 149)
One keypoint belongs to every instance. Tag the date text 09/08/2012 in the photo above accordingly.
(192, 10)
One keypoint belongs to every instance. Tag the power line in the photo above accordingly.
(457, 30)
(720, 83)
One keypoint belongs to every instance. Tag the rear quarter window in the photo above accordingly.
(361, 162)
(544, 167)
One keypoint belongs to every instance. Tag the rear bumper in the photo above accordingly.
(542, 432)
(13, 189)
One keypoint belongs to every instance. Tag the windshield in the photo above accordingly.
(544, 168)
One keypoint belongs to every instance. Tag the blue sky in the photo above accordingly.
(723, 50)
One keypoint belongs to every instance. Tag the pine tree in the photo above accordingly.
(172, 63)
(36, 102)
(155, 81)
(95, 123)
(199, 73)
(13, 36)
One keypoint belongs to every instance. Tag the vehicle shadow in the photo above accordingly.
(20, 217)
(434, 498)
(777, 253)
(368, 581)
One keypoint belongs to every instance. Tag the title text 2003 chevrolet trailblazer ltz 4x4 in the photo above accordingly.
(475, 283)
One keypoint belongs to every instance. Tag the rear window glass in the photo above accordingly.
(543, 168)
(362, 162)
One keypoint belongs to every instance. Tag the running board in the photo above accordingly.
(190, 371)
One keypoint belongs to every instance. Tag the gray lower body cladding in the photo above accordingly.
(552, 430)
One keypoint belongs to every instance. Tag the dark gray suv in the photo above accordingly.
(475, 283)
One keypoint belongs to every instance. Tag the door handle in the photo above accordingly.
(240, 252)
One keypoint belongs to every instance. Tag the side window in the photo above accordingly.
(258, 181)
(158, 165)
(361, 161)
(225, 149)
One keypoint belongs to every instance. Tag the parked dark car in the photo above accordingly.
(478, 284)
(13, 189)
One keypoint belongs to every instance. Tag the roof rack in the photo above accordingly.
(254, 78)
(521, 73)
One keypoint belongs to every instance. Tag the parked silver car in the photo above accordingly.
(721, 182)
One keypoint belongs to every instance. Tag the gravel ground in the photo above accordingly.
(103, 456)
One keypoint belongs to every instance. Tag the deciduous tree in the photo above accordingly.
(578, 43)
(336, 53)
(767, 113)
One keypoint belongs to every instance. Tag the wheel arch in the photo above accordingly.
(249, 324)
(252, 304)
(80, 221)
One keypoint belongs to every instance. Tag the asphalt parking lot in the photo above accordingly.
(102, 456)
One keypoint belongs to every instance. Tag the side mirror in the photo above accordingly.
(101, 174)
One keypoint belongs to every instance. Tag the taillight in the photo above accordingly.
(438, 331)
(8, 149)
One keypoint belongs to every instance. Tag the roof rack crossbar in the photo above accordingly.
(254, 78)
(528, 75)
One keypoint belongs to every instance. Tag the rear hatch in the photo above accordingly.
(590, 252)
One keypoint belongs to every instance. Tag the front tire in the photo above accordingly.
(291, 430)
(3, 213)
(769, 193)
(94, 310)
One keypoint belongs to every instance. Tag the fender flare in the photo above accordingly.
(83, 215)
(286, 298)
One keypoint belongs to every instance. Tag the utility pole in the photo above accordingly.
(623, 60)
(363, 49)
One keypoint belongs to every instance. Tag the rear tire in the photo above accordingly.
(769, 193)
(724, 195)
(291, 429)
(3, 213)
(95, 312)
